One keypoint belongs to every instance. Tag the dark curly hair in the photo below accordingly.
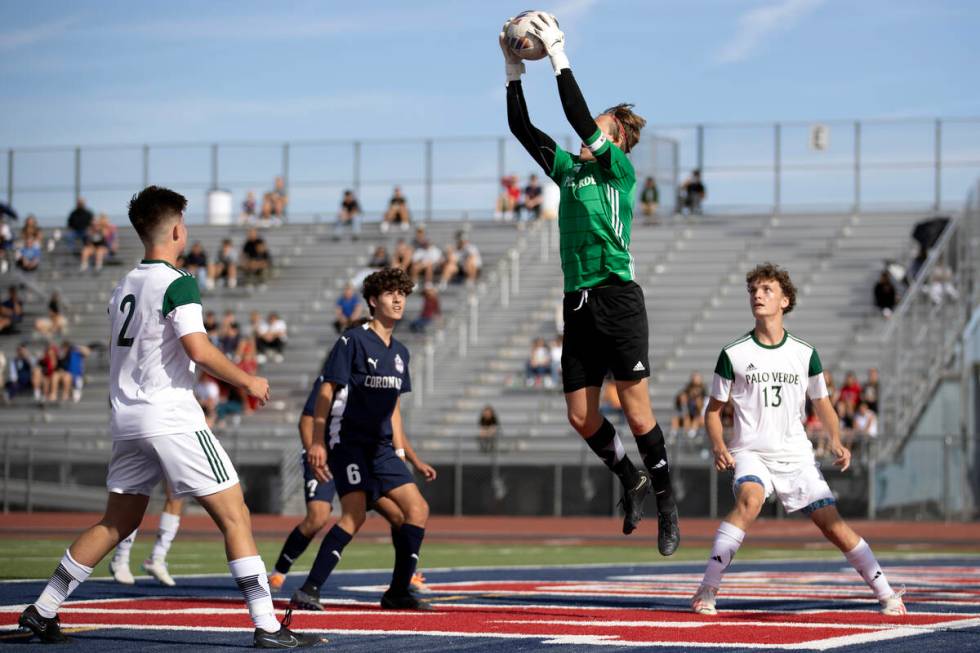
(385, 280)
(772, 272)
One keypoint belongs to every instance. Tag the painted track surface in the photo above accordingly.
(780, 606)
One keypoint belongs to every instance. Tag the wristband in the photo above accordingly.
(514, 71)
(559, 62)
(400, 453)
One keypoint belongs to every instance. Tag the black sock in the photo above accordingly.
(607, 445)
(408, 543)
(327, 558)
(295, 544)
(653, 450)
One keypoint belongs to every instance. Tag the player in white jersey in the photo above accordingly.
(767, 374)
(158, 428)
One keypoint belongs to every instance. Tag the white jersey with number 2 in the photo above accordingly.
(768, 385)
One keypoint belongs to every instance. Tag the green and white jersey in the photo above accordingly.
(768, 385)
(595, 215)
(151, 379)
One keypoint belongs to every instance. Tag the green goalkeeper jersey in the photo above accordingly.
(595, 216)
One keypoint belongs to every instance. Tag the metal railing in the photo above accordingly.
(928, 324)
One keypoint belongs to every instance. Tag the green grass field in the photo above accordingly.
(22, 558)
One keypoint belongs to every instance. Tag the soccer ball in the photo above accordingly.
(519, 39)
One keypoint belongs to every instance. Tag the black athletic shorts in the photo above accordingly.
(605, 331)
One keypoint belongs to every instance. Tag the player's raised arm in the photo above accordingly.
(539, 145)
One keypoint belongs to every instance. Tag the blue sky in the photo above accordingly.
(112, 71)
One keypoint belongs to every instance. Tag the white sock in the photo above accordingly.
(251, 578)
(169, 525)
(863, 560)
(727, 540)
(64, 580)
(121, 556)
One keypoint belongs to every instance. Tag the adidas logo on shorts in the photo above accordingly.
(638, 367)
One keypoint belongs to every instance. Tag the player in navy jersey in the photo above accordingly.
(356, 418)
(319, 497)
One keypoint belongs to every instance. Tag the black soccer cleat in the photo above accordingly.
(668, 532)
(303, 601)
(285, 638)
(407, 601)
(632, 502)
(47, 630)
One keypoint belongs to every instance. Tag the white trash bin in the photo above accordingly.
(219, 207)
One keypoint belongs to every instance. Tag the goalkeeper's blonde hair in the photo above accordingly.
(628, 124)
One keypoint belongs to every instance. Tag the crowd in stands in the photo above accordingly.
(516, 203)
(856, 404)
(51, 374)
(543, 367)
(895, 279)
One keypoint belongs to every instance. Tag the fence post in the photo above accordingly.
(501, 158)
(146, 166)
(29, 498)
(938, 154)
(676, 173)
(356, 172)
(515, 272)
(777, 168)
(430, 367)
(947, 495)
(558, 489)
(857, 166)
(78, 173)
(10, 177)
(700, 142)
(463, 339)
(458, 477)
(503, 275)
(428, 179)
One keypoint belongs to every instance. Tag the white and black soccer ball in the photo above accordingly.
(519, 39)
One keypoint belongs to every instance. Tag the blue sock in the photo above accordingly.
(295, 544)
(326, 559)
(408, 543)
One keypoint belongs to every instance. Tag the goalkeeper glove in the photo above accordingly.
(513, 66)
(545, 27)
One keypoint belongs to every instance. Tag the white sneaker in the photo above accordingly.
(893, 606)
(121, 573)
(159, 571)
(703, 601)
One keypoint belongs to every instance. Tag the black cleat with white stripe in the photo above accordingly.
(285, 638)
(47, 630)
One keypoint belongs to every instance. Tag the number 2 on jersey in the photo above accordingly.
(130, 302)
(777, 399)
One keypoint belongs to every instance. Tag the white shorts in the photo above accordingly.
(799, 487)
(193, 464)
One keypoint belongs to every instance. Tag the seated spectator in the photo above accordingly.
(379, 259)
(196, 263)
(249, 212)
(403, 255)
(229, 334)
(53, 377)
(274, 204)
(211, 327)
(650, 200)
(850, 392)
(869, 391)
(11, 311)
(539, 365)
(111, 234)
(31, 229)
(6, 245)
(207, 393)
(79, 220)
(397, 212)
(55, 323)
(533, 196)
(426, 258)
(449, 268)
(256, 260)
(885, 296)
(96, 246)
(555, 350)
(508, 199)
(692, 194)
(689, 403)
(348, 309)
(23, 375)
(29, 254)
(940, 284)
(72, 365)
(430, 312)
(271, 336)
(349, 216)
(845, 413)
(469, 261)
(225, 266)
(489, 429)
(865, 421)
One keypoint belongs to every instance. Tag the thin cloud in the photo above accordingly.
(19, 38)
(761, 23)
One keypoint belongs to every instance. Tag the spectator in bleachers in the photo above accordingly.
(229, 334)
(650, 200)
(379, 259)
(270, 338)
(11, 311)
(885, 296)
(554, 349)
(79, 220)
(509, 198)
(430, 312)
(250, 209)
(397, 212)
(426, 259)
(846, 416)
(110, 233)
(449, 268)
(23, 375)
(71, 363)
(349, 216)
(348, 309)
(850, 392)
(256, 260)
(96, 246)
(29, 254)
(539, 365)
(865, 421)
(55, 323)
(689, 403)
(468, 259)
(6, 245)
(225, 266)
(869, 391)
(207, 393)
(489, 426)
(403, 255)
(52, 377)
(533, 196)
(196, 263)
(274, 204)
(940, 284)
(691, 194)
(248, 362)
(211, 327)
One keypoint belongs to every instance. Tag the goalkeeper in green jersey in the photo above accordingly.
(604, 312)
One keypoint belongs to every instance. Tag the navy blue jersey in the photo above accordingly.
(371, 376)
